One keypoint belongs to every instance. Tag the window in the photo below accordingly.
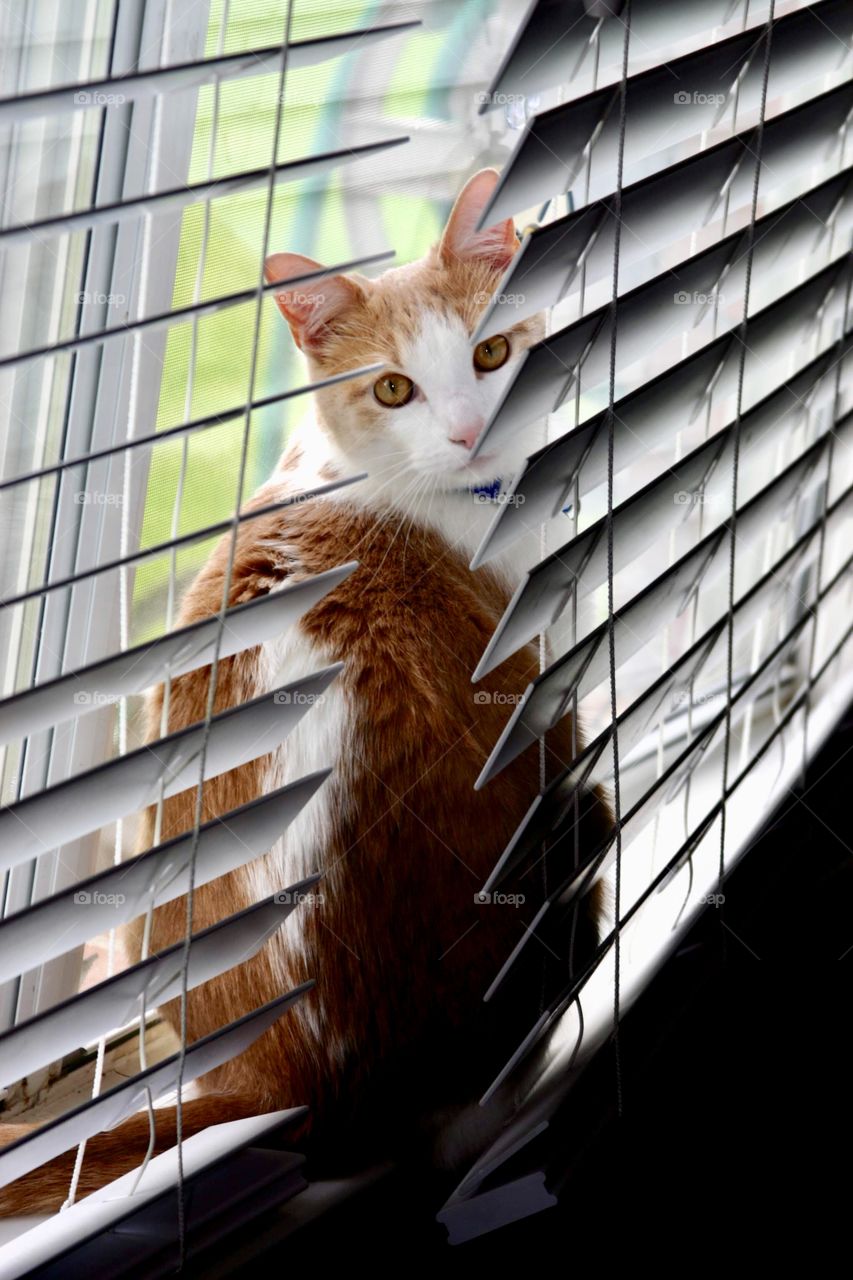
(693, 488)
(60, 288)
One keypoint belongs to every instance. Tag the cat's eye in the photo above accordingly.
(492, 353)
(394, 390)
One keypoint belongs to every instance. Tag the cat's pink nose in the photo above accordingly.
(467, 432)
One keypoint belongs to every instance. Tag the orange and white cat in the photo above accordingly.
(396, 1029)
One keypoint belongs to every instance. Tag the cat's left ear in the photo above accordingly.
(461, 240)
(311, 305)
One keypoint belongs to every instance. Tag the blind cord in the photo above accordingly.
(170, 602)
(824, 517)
(543, 663)
(543, 776)
(192, 360)
(124, 629)
(611, 620)
(214, 664)
(736, 436)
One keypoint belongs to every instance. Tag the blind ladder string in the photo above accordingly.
(743, 329)
(824, 519)
(214, 665)
(124, 614)
(172, 581)
(611, 620)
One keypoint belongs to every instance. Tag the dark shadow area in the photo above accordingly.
(735, 1072)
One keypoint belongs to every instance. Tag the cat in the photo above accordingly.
(394, 1044)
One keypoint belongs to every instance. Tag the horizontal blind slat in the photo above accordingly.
(577, 568)
(674, 217)
(673, 112)
(132, 86)
(114, 790)
(119, 1202)
(120, 894)
(179, 315)
(116, 1001)
(110, 1108)
(174, 199)
(173, 654)
(785, 351)
(670, 318)
(182, 429)
(197, 535)
(561, 42)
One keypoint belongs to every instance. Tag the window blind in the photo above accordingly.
(143, 67)
(698, 610)
(685, 189)
(185, 144)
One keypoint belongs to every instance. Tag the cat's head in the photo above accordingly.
(420, 413)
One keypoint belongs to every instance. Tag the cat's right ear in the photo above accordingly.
(462, 242)
(311, 306)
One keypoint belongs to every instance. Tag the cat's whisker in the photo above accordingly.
(421, 493)
(384, 518)
(393, 477)
(431, 489)
(392, 453)
(411, 487)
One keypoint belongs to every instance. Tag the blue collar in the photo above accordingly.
(490, 490)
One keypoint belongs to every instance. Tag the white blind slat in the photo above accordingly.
(174, 654)
(113, 897)
(110, 1108)
(169, 765)
(117, 1000)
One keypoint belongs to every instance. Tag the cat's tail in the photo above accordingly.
(109, 1155)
